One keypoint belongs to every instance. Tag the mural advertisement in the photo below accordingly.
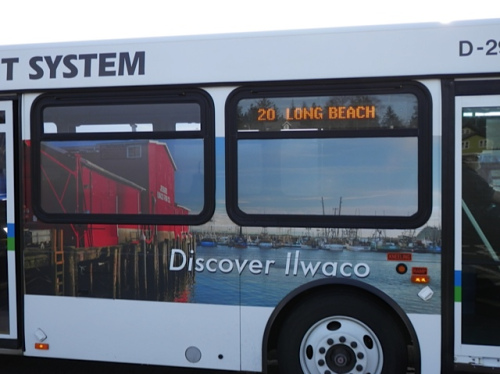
(373, 171)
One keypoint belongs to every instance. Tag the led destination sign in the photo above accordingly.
(383, 111)
(319, 113)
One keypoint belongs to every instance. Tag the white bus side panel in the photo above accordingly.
(428, 329)
(253, 324)
(155, 333)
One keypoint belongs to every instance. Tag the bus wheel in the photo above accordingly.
(341, 333)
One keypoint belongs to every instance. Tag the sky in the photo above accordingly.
(35, 21)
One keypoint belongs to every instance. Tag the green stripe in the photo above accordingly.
(11, 244)
(458, 294)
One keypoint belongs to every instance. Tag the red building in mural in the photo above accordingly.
(111, 178)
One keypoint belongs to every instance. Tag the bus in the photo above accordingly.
(314, 201)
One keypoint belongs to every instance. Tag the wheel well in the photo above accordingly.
(310, 291)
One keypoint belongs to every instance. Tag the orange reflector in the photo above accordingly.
(401, 269)
(420, 279)
(42, 346)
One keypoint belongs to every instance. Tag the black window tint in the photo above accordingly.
(329, 156)
(138, 157)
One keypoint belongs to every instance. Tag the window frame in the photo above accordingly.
(423, 133)
(124, 97)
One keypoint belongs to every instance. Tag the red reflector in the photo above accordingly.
(42, 346)
(419, 270)
(420, 279)
(399, 257)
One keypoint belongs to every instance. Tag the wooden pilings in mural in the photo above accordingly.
(135, 270)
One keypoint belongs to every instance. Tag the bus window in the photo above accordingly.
(328, 157)
(124, 158)
(480, 222)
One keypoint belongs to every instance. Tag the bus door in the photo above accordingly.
(8, 312)
(477, 230)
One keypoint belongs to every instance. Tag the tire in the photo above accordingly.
(341, 332)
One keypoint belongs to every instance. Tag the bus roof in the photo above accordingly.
(429, 49)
